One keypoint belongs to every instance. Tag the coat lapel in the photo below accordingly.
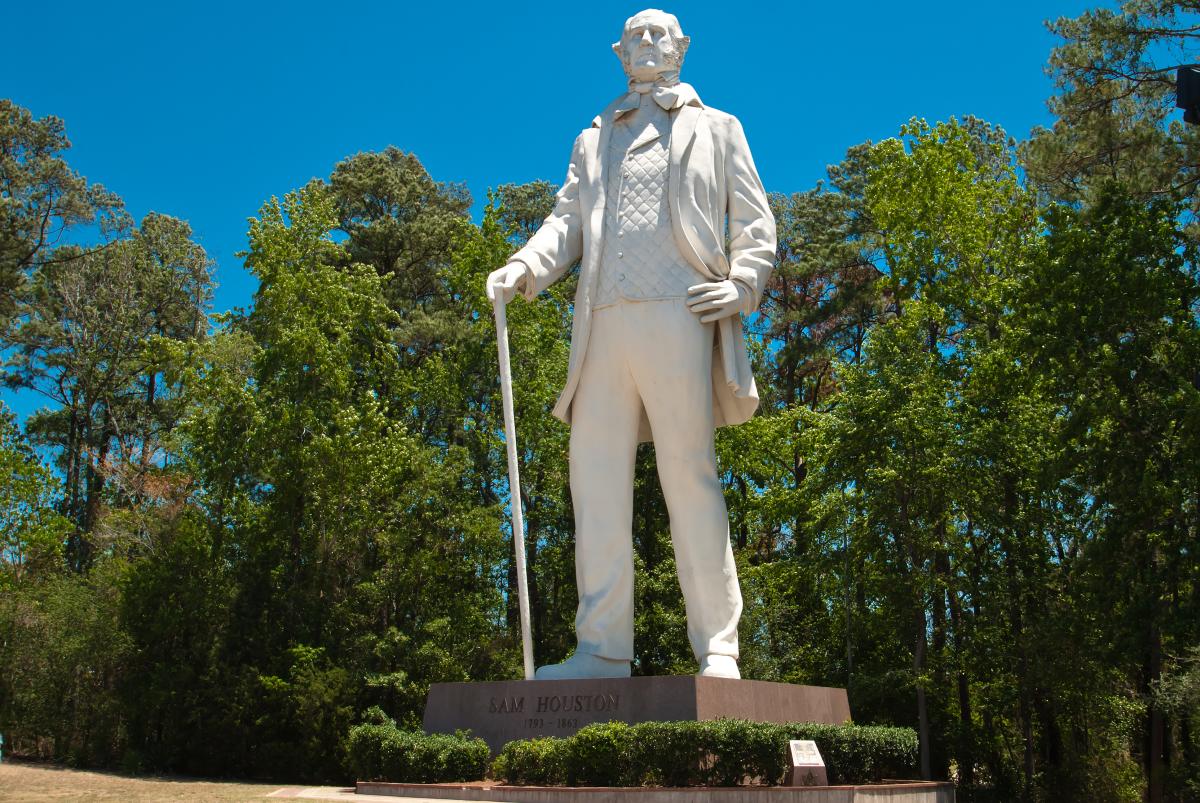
(683, 128)
(598, 168)
(596, 218)
(683, 131)
(589, 270)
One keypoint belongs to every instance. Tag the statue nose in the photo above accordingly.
(647, 39)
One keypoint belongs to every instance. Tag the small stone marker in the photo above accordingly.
(807, 767)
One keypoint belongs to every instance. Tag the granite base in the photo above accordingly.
(501, 711)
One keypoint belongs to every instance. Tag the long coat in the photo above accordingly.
(712, 182)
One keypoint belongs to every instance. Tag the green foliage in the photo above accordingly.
(521, 208)
(1121, 377)
(970, 496)
(31, 532)
(1115, 108)
(90, 338)
(358, 567)
(379, 751)
(43, 198)
(61, 649)
(532, 762)
(174, 603)
(720, 753)
(405, 226)
(862, 754)
(64, 655)
(723, 752)
(1177, 692)
(601, 755)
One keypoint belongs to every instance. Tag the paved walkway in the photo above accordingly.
(347, 793)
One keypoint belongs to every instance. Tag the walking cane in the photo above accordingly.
(514, 483)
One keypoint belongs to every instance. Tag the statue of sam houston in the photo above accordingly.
(657, 348)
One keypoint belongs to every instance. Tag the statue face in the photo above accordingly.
(651, 45)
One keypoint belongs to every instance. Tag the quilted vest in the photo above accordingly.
(639, 259)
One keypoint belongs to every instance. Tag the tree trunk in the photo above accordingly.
(72, 503)
(512, 613)
(849, 616)
(1156, 725)
(937, 610)
(922, 705)
(95, 474)
(1026, 736)
(536, 608)
(966, 732)
(147, 453)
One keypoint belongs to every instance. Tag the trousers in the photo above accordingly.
(654, 355)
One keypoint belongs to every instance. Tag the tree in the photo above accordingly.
(359, 566)
(87, 341)
(1111, 323)
(1116, 104)
(61, 651)
(42, 198)
(399, 221)
(1177, 693)
(455, 404)
(889, 455)
(521, 208)
(31, 532)
(824, 293)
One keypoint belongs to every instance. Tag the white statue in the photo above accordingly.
(657, 348)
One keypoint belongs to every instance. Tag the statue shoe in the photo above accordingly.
(583, 665)
(719, 666)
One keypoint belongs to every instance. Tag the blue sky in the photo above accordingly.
(205, 110)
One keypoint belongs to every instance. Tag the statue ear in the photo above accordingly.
(684, 42)
(617, 49)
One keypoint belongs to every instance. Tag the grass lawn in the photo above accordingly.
(23, 781)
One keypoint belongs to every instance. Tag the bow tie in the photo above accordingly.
(668, 97)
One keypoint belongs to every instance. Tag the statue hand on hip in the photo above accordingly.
(713, 301)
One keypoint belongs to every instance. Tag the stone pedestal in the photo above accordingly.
(502, 711)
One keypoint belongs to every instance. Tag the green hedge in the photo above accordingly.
(379, 751)
(725, 752)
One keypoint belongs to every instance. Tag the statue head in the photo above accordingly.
(652, 47)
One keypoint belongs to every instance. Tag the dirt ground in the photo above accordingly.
(20, 781)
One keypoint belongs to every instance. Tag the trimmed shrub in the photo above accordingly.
(532, 762)
(382, 752)
(601, 755)
(861, 754)
(744, 751)
(669, 753)
(725, 752)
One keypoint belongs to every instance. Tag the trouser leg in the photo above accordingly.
(605, 412)
(672, 370)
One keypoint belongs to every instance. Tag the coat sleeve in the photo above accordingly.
(558, 243)
(751, 224)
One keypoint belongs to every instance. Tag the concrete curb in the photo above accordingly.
(916, 792)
